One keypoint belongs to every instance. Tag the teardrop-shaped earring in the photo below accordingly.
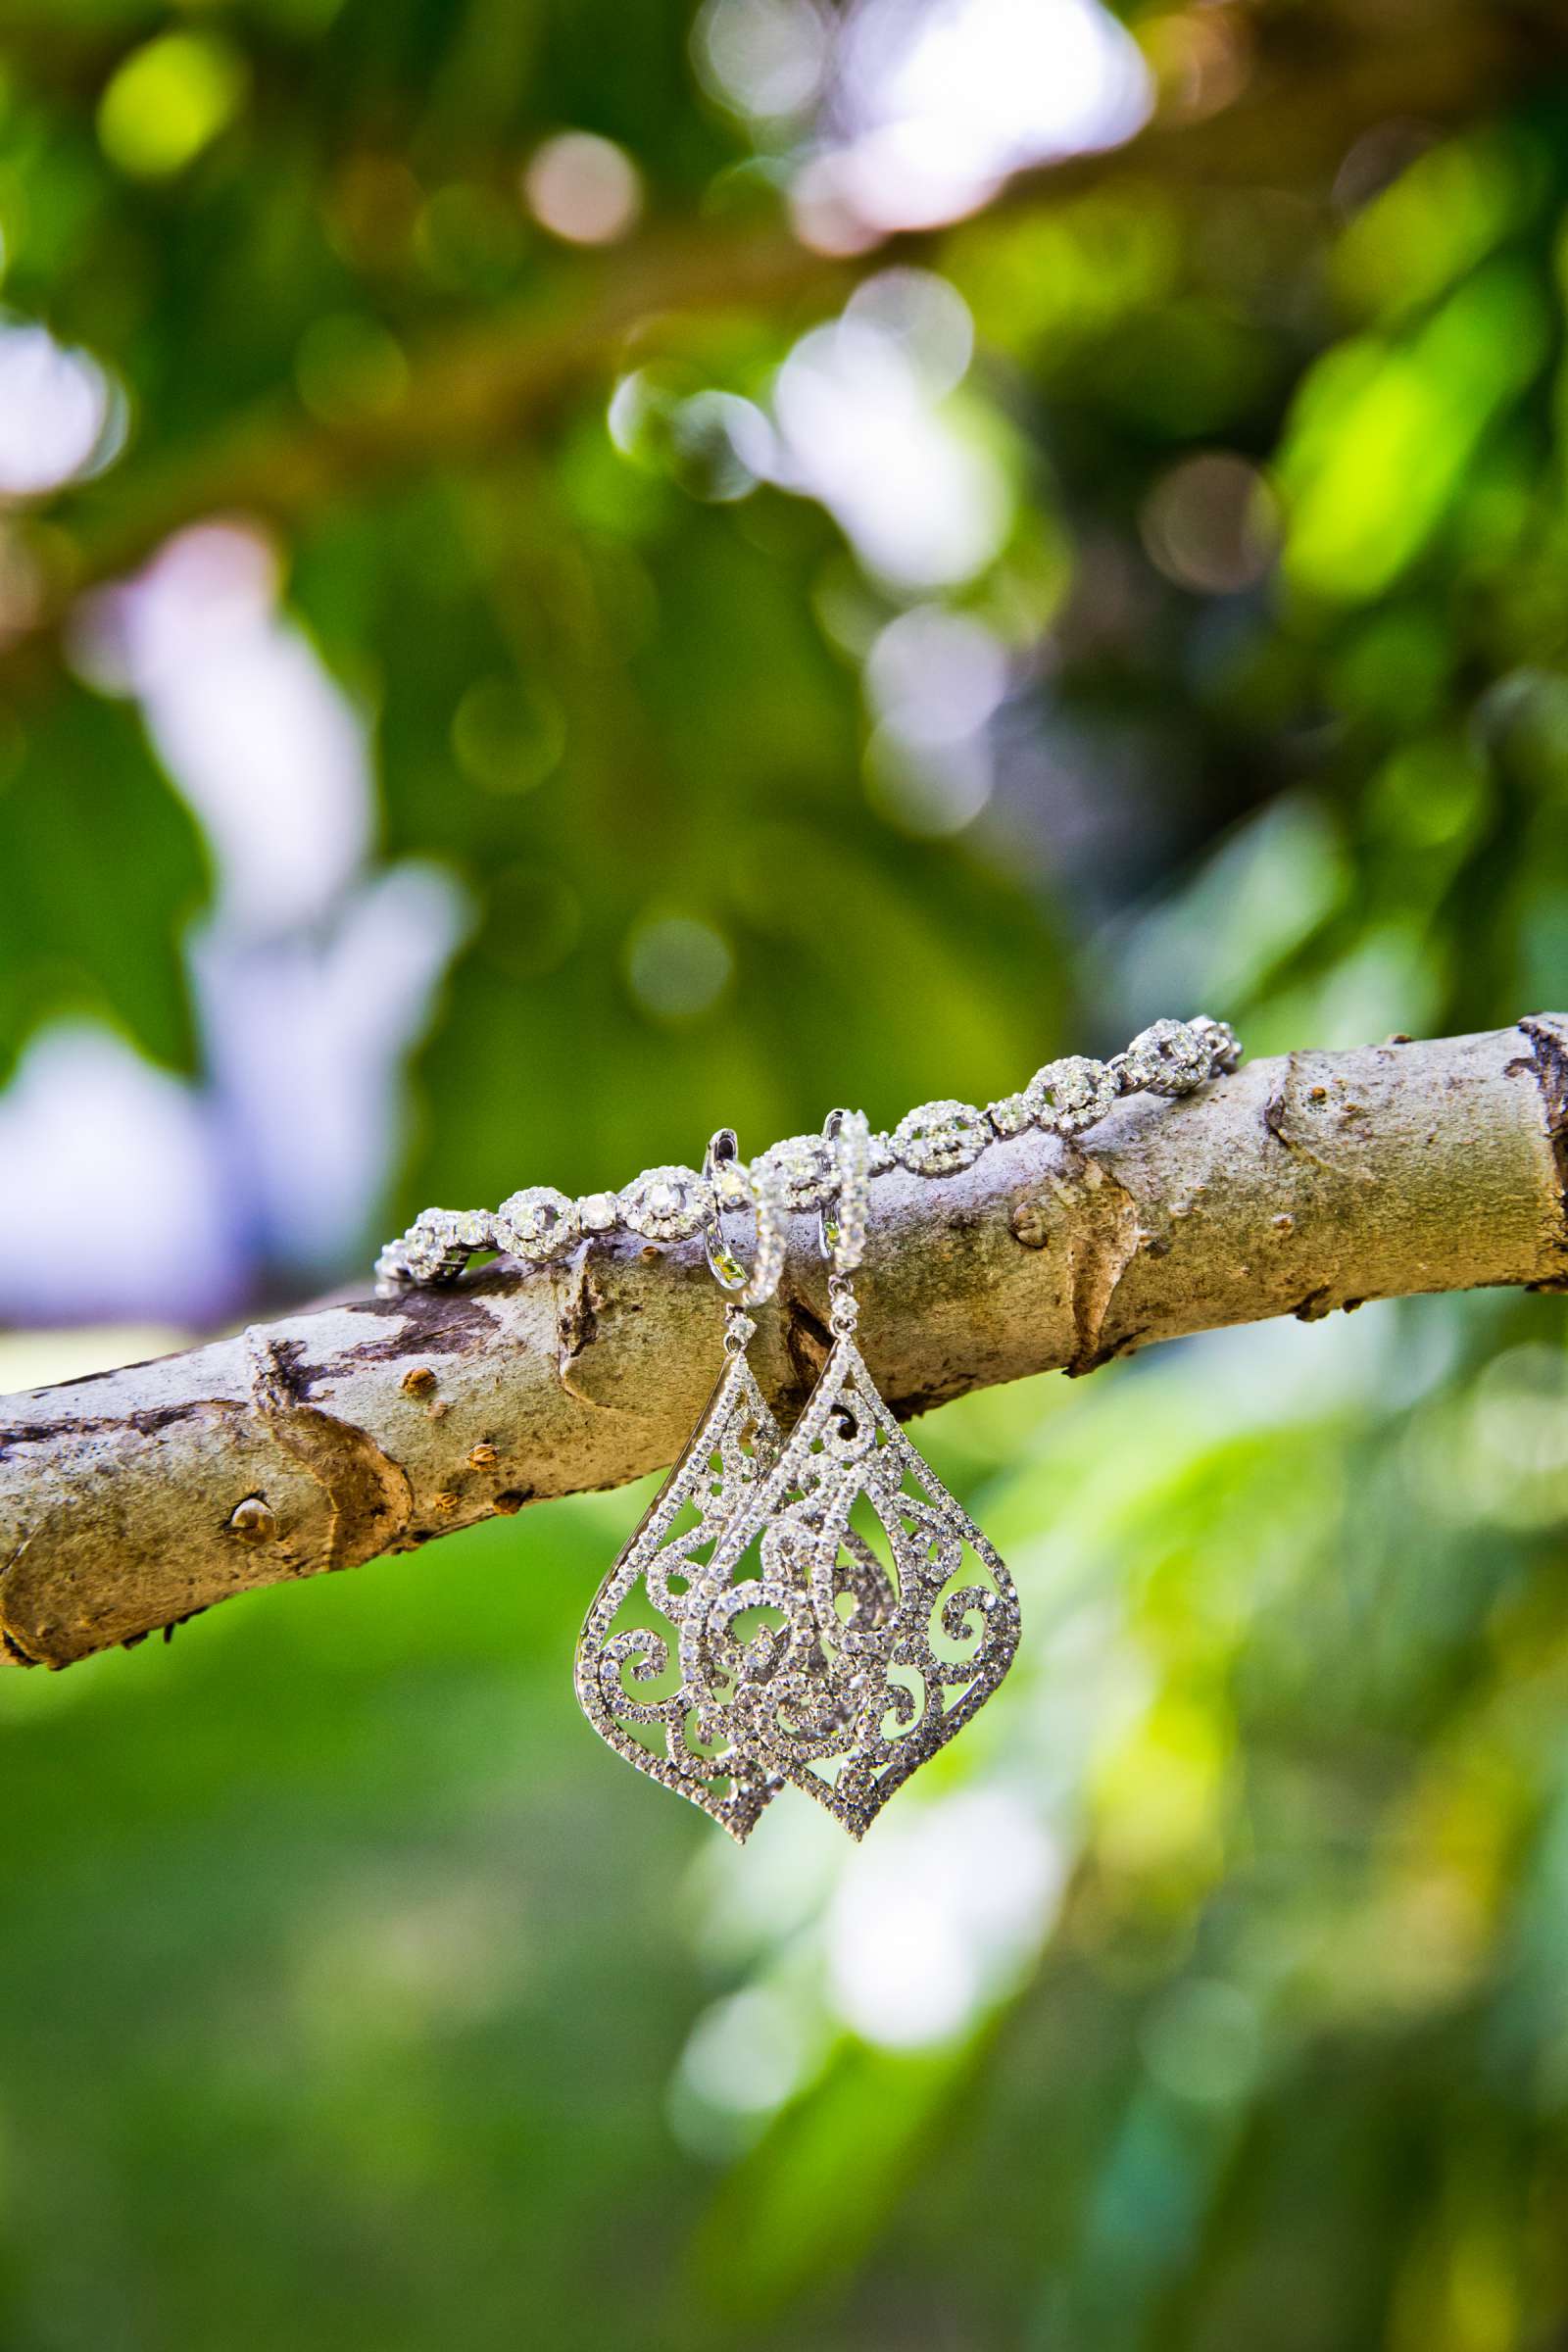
(899, 1619)
(685, 1728)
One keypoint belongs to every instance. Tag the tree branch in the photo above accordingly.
(133, 1499)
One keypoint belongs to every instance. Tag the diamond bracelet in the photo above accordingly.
(673, 1205)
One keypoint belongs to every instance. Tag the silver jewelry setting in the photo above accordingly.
(941, 1138)
(938, 1139)
(667, 1204)
(827, 1615)
(538, 1223)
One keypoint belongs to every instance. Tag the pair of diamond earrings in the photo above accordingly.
(817, 1608)
(813, 1608)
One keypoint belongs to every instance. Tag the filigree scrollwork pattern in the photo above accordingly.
(632, 1680)
(830, 1615)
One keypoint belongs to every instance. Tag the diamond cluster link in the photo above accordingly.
(537, 1223)
(805, 1167)
(938, 1139)
(1224, 1046)
(1073, 1094)
(1011, 1115)
(435, 1247)
(1169, 1058)
(667, 1204)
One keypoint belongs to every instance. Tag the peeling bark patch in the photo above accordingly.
(1316, 1305)
(429, 1323)
(1296, 1117)
(1280, 1106)
(279, 1380)
(150, 1422)
(1274, 1110)
(369, 1495)
(577, 1312)
(1104, 1234)
(1549, 1061)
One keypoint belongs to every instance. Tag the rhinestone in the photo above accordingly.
(475, 1229)
(882, 1155)
(1168, 1058)
(805, 1169)
(1070, 1095)
(1011, 1115)
(536, 1223)
(940, 1138)
(667, 1204)
(732, 1184)
(598, 1212)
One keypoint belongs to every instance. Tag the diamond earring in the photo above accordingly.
(684, 1725)
(890, 1639)
(859, 1639)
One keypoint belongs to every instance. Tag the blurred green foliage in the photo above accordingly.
(351, 1994)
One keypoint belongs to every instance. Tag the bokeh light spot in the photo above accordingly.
(508, 733)
(169, 100)
(1212, 525)
(941, 102)
(766, 58)
(583, 188)
(930, 790)
(935, 677)
(926, 317)
(926, 504)
(56, 409)
(746, 2052)
(937, 1917)
(676, 967)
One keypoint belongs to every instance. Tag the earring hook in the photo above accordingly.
(761, 1188)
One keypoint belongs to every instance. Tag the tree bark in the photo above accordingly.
(131, 1500)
